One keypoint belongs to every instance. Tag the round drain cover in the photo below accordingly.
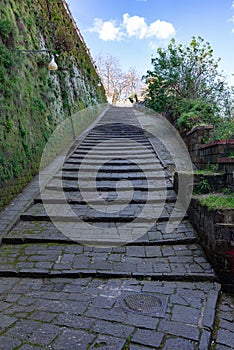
(144, 303)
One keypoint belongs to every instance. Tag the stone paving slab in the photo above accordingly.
(89, 313)
(223, 335)
(39, 230)
(178, 261)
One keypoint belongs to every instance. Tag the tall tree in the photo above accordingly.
(117, 83)
(186, 72)
(110, 73)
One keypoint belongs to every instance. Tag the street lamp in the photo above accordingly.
(51, 66)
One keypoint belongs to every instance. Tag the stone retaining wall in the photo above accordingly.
(214, 153)
(227, 166)
(216, 232)
(193, 139)
(215, 182)
(206, 153)
(211, 153)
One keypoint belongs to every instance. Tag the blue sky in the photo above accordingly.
(133, 29)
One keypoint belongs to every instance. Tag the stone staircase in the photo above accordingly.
(154, 254)
(103, 226)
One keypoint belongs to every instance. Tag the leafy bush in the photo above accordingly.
(203, 187)
(188, 120)
(195, 112)
(186, 82)
(223, 129)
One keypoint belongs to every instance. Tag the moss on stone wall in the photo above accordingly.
(33, 100)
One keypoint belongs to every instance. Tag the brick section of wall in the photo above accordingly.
(193, 139)
(212, 152)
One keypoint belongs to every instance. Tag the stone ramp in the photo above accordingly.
(97, 282)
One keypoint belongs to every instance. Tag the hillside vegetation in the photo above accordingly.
(34, 100)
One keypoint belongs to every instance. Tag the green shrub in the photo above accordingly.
(188, 120)
(223, 130)
(203, 187)
(195, 112)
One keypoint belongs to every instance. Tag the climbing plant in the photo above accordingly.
(33, 101)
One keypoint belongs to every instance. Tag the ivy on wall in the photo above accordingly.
(33, 100)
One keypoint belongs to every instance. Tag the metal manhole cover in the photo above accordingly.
(144, 303)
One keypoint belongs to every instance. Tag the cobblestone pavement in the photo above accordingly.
(224, 327)
(98, 282)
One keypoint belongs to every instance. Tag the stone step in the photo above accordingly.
(53, 299)
(125, 156)
(155, 173)
(121, 152)
(108, 130)
(121, 129)
(139, 197)
(107, 173)
(106, 185)
(47, 232)
(177, 262)
(66, 175)
(114, 146)
(90, 159)
(57, 200)
(107, 188)
(110, 213)
(114, 169)
(104, 137)
(117, 128)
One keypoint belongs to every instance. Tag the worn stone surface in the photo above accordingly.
(74, 299)
(61, 313)
(224, 330)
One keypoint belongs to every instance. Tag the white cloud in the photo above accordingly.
(132, 26)
(135, 26)
(161, 30)
(107, 30)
